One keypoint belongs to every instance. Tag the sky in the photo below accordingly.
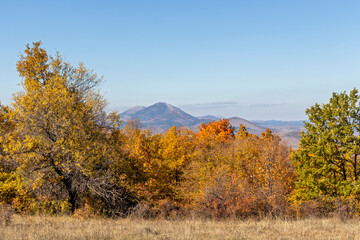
(259, 60)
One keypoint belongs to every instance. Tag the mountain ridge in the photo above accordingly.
(161, 116)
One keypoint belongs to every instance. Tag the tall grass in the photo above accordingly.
(65, 227)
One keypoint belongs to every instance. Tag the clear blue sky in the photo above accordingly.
(252, 59)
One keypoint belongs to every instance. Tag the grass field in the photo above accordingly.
(66, 228)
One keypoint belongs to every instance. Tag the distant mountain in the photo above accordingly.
(289, 131)
(276, 123)
(251, 127)
(209, 117)
(127, 115)
(161, 116)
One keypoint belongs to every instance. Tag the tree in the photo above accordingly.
(215, 132)
(12, 189)
(65, 144)
(241, 176)
(327, 158)
(175, 154)
(161, 160)
(210, 141)
(264, 165)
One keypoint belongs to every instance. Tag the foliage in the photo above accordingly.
(162, 158)
(61, 138)
(264, 164)
(220, 131)
(327, 159)
(242, 176)
(60, 152)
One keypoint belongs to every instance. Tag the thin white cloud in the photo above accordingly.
(267, 105)
(261, 111)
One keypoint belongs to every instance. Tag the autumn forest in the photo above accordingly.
(62, 153)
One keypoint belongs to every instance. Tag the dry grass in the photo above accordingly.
(38, 228)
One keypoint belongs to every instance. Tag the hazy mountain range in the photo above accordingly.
(161, 116)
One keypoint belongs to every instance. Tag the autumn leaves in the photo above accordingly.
(61, 152)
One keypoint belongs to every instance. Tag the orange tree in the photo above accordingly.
(207, 160)
(242, 175)
(264, 166)
(162, 159)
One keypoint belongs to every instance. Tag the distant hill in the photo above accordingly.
(251, 127)
(209, 117)
(161, 116)
(127, 115)
(276, 123)
(288, 131)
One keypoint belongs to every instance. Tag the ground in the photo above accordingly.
(66, 228)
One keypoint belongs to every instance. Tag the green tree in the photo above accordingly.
(327, 159)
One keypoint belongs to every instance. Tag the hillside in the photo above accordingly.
(127, 115)
(251, 127)
(161, 116)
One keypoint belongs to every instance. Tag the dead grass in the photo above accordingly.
(37, 227)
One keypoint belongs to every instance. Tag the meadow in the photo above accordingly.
(62, 155)
(67, 227)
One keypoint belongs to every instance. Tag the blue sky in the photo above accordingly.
(251, 59)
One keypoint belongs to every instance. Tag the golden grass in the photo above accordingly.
(37, 227)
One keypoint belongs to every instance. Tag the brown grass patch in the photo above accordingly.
(38, 227)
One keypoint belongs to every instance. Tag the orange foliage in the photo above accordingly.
(220, 131)
(249, 175)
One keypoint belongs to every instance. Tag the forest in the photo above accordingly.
(61, 152)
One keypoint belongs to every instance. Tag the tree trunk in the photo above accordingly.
(355, 167)
(72, 194)
(67, 182)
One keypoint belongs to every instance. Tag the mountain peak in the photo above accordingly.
(164, 105)
(160, 104)
(163, 115)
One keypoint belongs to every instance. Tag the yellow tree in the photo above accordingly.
(63, 133)
(161, 160)
(208, 162)
(12, 189)
(142, 147)
(264, 165)
(177, 147)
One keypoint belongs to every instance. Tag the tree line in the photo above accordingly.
(61, 152)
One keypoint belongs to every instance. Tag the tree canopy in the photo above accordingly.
(327, 159)
(60, 151)
(63, 139)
